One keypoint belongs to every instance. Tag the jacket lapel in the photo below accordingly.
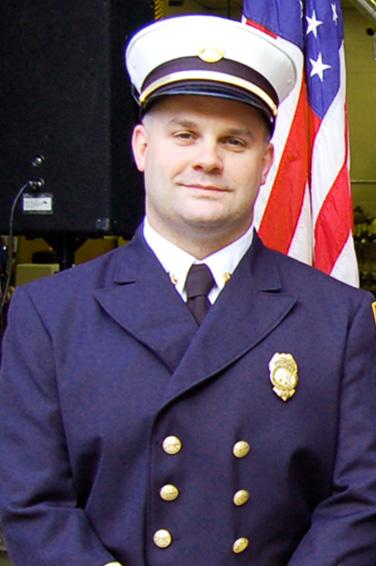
(144, 302)
(250, 307)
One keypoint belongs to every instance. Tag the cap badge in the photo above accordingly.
(374, 309)
(211, 54)
(283, 375)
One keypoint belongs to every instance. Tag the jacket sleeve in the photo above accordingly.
(343, 527)
(41, 521)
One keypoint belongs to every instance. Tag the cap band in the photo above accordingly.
(206, 75)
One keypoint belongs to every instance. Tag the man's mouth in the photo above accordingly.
(204, 187)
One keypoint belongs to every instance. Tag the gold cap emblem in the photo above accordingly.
(283, 375)
(374, 309)
(211, 54)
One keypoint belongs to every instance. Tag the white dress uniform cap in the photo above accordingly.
(211, 56)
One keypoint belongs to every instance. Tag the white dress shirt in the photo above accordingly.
(177, 262)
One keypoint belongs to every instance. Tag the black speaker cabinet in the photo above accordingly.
(66, 114)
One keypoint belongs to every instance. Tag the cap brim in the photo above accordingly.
(209, 88)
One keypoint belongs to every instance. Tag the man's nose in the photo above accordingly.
(208, 157)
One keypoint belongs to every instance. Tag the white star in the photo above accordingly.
(335, 15)
(318, 67)
(313, 24)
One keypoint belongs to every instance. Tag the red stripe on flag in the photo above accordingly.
(333, 223)
(335, 220)
(260, 27)
(285, 203)
(314, 125)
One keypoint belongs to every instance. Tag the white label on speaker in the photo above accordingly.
(37, 204)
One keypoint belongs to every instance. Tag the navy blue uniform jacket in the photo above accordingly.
(104, 361)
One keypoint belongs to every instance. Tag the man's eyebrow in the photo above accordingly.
(182, 122)
(230, 131)
(240, 132)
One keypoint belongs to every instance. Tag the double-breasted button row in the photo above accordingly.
(163, 539)
(240, 450)
(173, 445)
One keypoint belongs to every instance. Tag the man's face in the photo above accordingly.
(204, 160)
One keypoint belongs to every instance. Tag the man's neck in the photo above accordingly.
(200, 245)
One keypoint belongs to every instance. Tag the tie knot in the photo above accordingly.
(199, 282)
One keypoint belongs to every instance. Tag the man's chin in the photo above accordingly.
(205, 216)
(205, 222)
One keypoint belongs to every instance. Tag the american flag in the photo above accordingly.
(305, 208)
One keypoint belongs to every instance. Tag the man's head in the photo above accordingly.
(203, 144)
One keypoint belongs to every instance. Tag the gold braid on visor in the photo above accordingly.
(213, 76)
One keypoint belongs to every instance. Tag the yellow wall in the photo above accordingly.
(361, 96)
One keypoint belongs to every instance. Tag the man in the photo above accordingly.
(135, 431)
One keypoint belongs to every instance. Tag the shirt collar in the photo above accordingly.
(176, 262)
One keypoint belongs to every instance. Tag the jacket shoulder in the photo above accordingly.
(312, 283)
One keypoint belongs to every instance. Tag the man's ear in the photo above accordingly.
(267, 161)
(139, 146)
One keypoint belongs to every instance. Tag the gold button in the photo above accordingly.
(240, 545)
(162, 538)
(172, 445)
(241, 449)
(241, 497)
(169, 492)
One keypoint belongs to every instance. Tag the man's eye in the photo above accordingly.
(235, 142)
(185, 136)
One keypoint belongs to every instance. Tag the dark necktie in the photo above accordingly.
(198, 285)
